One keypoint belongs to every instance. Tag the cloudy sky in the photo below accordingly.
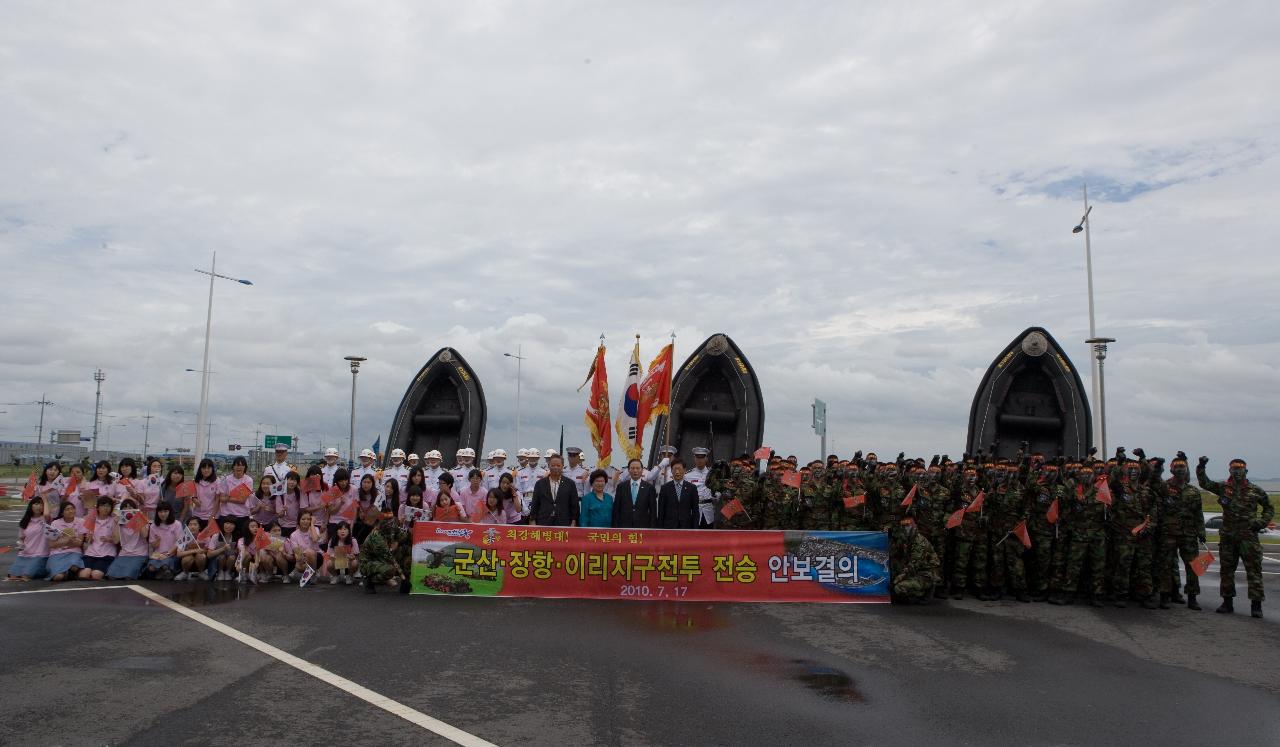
(872, 201)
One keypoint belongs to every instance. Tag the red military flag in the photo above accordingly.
(911, 496)
(1202, 562)
(732, 509)
(764, 452)
(1051, 515)
(240, 493)
(976, 506)
(791, 479)
(956, 519)
(29, 490)
(1103, 489)
(655, 390)
(186, 489)
(597, 414)
(1021, 533)
(312, 484)
(1138, 529)
(853, 501)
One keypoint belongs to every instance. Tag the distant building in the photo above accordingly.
(28, 452)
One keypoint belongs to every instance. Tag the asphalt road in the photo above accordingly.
(109, 666)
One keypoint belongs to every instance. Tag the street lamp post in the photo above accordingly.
(355, 362)
(519, 362)
(1099, 354)
(204, 369)
(1099, 430)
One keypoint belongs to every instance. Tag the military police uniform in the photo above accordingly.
(697, 477)
(577, 473)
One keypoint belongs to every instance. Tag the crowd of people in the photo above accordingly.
(1032, 527)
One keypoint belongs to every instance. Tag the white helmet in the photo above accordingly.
(413, 457)
(433, 454)
(330, 452)
(397, 453)
(498, 454)
(535, 454)
(522, 452)
(550, 453)
(368, 453)
(467, 453)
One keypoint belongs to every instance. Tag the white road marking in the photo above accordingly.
(452, 733)
(64, 588)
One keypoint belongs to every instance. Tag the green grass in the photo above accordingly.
(479, 587)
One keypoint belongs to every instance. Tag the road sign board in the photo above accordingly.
(819, 417)
(270, 441)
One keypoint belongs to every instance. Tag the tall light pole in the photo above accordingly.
(40, 428)
(1099, 354)
(355, 362)
(146, 436)
(204, 369)
(519, 361)
(1099, 430)
(99, 377)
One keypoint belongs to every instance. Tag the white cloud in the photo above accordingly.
(872, 202)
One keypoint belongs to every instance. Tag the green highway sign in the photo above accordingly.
(270, 441)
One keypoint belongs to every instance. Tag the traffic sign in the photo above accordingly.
(270, 441)
(819, 417)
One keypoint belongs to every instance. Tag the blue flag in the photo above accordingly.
(377, 445)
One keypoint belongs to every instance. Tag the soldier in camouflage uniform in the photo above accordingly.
(1008, 508)
(913, 565)
(1246, 510)
(1087, 539)
(736, 481)
(773, 501)
(385, 554)
(970, 539)
(888, 493)
(862, 516)
(1183, 507)
(1045, 493)
(1132, 524)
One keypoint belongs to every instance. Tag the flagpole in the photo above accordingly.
(666, 424)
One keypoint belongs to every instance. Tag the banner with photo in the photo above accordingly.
(647, 564)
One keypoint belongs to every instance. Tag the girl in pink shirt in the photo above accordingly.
(471, 497)
(220, 550)
(240, 508)
(51, 484)
(287, 506)
(150, 487)
(262, 503)
(103, 541)
(416, 499)
(417, 477)
(272, 559)
(313, 501)
(445, 509)
(71, 492)
(101, 486)
(367, 514)
(247, 557)
(190, 554)
(133, 544)
(341, 557)
(341, 509)
(65, 560)
(129, 484)
(163, 536)
(33, 545)
(303, 545)
(205, 503)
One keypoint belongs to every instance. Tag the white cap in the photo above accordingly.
(535, 453)
(397, 453)
(368, 453)
(330, 452)
(413, 457)
(433, 454)
(467, 453)
(498, 454)
(551, 452)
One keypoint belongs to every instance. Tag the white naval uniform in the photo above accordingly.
(399, 474)
(358, 474)
(279, 471)
(526, 478)
(492, 475)
(660, 475)
(697, 477)
(431, 477)
(460, 475)
(579, 477)
(327, 470)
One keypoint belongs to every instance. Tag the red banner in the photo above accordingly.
(688, 564)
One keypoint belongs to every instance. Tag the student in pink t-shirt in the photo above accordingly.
(471, 497)
(205, 503)
(313, 501)
(33, 545)
(191, 556)
(341, 556)
(240, 508)
(303, 545)
(287, 505)
(103, 542)
(246, 555)
(65, 558)
(75, 481)
(134, 549)
(163, 536)
(272, 559)
(101, 486)
(220, 550)
(129, 484)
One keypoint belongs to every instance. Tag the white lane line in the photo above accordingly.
(452, 733)
(65, 588)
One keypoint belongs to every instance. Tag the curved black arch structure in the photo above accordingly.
(715, 403)
(443, 409)
(1032, 393)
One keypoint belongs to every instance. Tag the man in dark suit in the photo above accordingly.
(635, 503)
(678, 501)
(555, 498)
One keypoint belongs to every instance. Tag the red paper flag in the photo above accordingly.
(335, 493)
(976, 506)
(5, 549)
(956, 519)
(126, 482)
(1020, 532)
(348, 514)
(312, 484)
(29, 490)
(763, 453)
(207, 533)
(1103, 490)
(261, 540)
(71, 487)
(732, 508)
(1138, 529)
(185, 489)
(137, 522)
(240, 493)
(88, 494)
(911, 496)
(1202, 563)
(791, 479)
(853, 501)
(90, 523)
(1051, 515)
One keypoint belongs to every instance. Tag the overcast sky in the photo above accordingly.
(871, 200)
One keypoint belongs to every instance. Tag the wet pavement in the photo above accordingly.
(110, 666)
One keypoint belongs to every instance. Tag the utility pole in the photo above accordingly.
(820, 425)
(146, 436)
(99, 377)
(40, 429)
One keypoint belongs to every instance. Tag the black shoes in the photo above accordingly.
(1192, 604)
(1227, 607)
(1256, 608)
